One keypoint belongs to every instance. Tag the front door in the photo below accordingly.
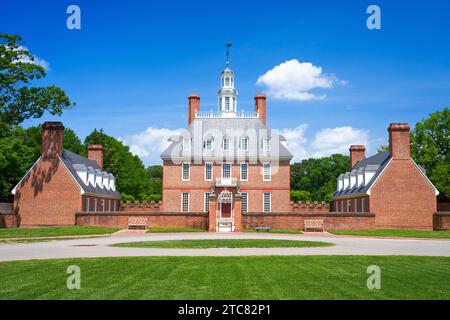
(226, 210)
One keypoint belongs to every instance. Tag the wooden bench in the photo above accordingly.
(314, 225)
(136, 223)
(258, 229)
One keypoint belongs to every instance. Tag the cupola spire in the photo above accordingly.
(227, 102)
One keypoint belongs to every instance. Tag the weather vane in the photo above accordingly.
(228, 46)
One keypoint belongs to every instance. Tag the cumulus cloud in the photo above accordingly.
(294, 80)
(325, 142)
(37, 61)
(149, 144)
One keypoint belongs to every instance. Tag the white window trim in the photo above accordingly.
(212, 171)
(223, 144)
(270, 171)
(182, 171)
(212, 144)
(240, 168)
(185, 146)
(204, 201)
(231, 170)
(270, 202)
(268, 146)
(247, 202)
(241, 144)
(88, 204)
(188, 201)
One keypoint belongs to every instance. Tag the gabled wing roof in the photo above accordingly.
(377, 163)
(71, 160)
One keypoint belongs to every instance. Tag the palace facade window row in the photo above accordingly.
(209, 144)
(266, 202)
(226, 171)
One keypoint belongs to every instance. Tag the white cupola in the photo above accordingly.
(227, 95)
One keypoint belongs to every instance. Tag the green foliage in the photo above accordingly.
(300, 195)
(318, 176)
(430, 147)
(19, 100)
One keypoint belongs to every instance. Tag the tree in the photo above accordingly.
(19, 100)
(318, 176)
(430, 147)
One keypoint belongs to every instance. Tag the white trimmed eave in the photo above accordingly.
(70, 174)
(378, 177)
(13, 191)
(436, 191)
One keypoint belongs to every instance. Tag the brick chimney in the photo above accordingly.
(194, 106)
(260, 106)
(399, 141)
(357, 153)
(95, 152)
(52, 140)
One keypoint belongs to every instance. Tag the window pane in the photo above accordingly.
(226, 170)
(266, 171)
(185, 202)
(244, 171)
(244, 202)
(186, 168)
(266, 203)
(206, 204)
(226, 144)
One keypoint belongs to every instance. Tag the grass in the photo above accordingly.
(223, 243)
(289, 231)
(55, 231)
(395, 233)
(269, 277)
(164, 230)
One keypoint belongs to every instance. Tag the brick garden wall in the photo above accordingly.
(143, 206)
(314, 207)
(441, 221)
(197, 220)
(291, 220)
(9, 220)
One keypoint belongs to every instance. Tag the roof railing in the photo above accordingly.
(223, 114)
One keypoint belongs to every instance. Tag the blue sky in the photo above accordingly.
(132, 64)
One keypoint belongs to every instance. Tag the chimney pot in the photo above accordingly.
(194, 106)
(95, 152)
(260, 107)
(52, 140)
(399, 144)
(357, 153)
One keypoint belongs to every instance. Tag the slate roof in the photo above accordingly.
(376, 163)
(72, 161)
(233, 128)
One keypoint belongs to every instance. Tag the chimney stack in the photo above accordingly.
(52, 140)
(95, 152)
(357, 153)
(194, 106)
(399, 141)
(260, 106)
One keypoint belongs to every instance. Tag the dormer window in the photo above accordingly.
(226, 144)
(267, 144)
(209, 144)
(244, 144)
(187, 144)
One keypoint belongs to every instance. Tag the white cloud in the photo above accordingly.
(325, 142)
(149, 144)
(37, 61)
(294, 80)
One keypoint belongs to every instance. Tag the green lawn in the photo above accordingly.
(55, 231)
(163, 230)
(269, 277)
(223, 243)
(289, 231)
(395, 233)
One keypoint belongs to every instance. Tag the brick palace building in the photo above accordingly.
(389, 184)
(227, 162)
(61, 183)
